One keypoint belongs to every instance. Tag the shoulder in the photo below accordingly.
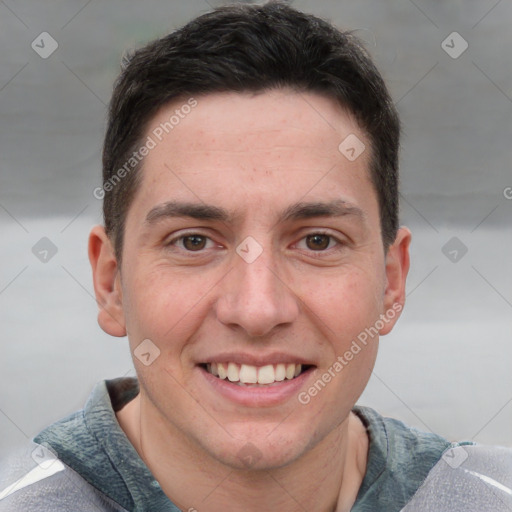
(66, 466)
(414, 471)
(468, 478)
(399, 460)
(34, 479)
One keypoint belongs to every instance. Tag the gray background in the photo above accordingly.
(447, 365)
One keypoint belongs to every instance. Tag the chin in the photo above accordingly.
(261, 451)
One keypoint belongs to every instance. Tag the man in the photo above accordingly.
(251, 253)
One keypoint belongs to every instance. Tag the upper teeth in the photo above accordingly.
(247, 374)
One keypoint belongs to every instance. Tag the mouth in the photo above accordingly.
(245, 375)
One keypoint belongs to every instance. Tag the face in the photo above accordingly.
(253, 247)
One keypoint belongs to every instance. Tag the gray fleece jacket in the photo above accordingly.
(86, 463)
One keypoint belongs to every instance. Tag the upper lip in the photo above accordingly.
(256, 359)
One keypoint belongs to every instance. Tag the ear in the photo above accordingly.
(107, 283)
(397, 268)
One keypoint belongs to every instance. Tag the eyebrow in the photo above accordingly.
(335, 208)
(183, 209)
(297, 211)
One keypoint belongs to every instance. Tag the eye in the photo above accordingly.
(192, 242)
(318, 242)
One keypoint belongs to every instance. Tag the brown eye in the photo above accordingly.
(194, 242)
(317, 242)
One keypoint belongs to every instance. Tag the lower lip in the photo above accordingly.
(257, 396)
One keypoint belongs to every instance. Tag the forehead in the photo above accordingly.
(253, 149)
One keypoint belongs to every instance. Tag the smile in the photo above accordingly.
(249, 375)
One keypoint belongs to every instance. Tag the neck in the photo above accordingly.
(324, 479)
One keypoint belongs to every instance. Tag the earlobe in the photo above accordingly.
(107, 286)
(397, 268)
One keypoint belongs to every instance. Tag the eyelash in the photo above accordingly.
(186, 235)
(339, 244)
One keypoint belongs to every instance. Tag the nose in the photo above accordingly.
(255, 298)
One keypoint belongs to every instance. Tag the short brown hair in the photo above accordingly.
(249, 48)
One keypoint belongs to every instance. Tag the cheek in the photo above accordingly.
(346, 307)
(164, 306)
(346, 302)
